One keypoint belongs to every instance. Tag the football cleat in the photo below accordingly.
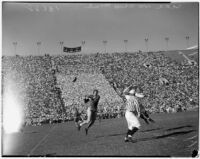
(128, 139)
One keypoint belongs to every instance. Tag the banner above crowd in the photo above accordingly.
(72, 50)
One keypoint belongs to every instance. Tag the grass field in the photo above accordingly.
(172, 135)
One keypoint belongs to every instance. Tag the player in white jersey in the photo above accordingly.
(132, 111)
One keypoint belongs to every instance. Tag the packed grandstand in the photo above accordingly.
(49, 87)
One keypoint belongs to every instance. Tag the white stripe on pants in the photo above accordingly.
(132, 120)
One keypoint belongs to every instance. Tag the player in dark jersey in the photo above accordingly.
(77, 117)
(144, 115)
(92, 102)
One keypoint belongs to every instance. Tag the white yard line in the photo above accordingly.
(193, 144)
(193, 53)
(39, 143)
(191, 138)
(172, 138)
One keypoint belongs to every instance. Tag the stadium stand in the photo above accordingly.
(45, 84)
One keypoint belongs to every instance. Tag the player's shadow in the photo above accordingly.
(46, 155)
(180, 127)
(119, 134)
(32, 132)
(50, 155)
(163, 136)
(156, 137)
(150, 130)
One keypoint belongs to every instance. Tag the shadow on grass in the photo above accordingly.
(150, 130)
(119, 134)
(30, 132)
(50, 155)
(47, 155)
(180, 127)
(157, 137)
(163, 136)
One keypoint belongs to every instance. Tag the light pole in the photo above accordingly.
(146, 43)
(105, 43)
(15, 47)
(125, 44)
(61, 46)
(187, 41)
(167, 40)
(38, 47)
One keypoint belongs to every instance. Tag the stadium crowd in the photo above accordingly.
(169, 86)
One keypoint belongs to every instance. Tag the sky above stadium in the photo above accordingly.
(50, 23)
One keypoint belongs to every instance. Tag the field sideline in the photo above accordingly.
(172, 135)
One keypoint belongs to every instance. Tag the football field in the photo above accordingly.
(172, 135)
